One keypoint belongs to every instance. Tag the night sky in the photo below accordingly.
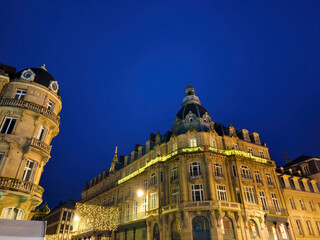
(122, 67)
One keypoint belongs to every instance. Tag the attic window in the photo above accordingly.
(190, 119)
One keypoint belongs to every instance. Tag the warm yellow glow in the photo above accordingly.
(140, 193)
(76, 218)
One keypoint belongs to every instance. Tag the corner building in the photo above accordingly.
(201, 181)
(29, 117)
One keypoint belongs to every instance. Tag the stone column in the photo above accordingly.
(184, 179)
(209, 179)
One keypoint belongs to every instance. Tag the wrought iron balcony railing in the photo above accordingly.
(21, 186)
(30, 106)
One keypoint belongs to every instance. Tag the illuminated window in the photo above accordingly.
(283, 231)
(235, 146)
(250, 195)
(8, 125)
(299, 227)
(245, 173)
(197, 192)
(175, 195)
(192, 142)
(253, 229)
(144, 206)
(195, 169)
(174, 147)
(153, 200)
(29, 171)
(222, 193)
(263, 200)
(250, 150)
(12, 213)
(275, 202)
(261, 154)
(302, 204)
(20, 94)
(274, 232)
(258, 177)
(213, 143)
(269, 180)
(310, 230)
(292, 204)
(218, 170)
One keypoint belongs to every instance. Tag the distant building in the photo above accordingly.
(202, 180)
(60, 221)
(41, 212)
(29, 116)
(302, 198)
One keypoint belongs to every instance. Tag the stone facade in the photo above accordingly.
(29, 115)
(201, 181)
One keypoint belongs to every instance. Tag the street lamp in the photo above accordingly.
(140, 193)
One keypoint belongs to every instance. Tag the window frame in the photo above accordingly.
(197, 188)
(263, 200)
(193, 142)
(20, 94)
(195, 170)
(221, 192)
(29, 170)
(9, 128)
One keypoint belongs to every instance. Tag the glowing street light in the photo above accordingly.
(140, 193)
(76, 218)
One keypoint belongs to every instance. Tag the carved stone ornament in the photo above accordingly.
(28, 75)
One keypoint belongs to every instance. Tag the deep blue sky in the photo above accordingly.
(122, 67)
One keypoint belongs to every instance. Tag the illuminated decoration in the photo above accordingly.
(222, 226)
(51, 237)
(189, 150)
(283, 231)
(94, 217)
(274, 232)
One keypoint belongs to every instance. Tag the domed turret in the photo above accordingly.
(191, 113)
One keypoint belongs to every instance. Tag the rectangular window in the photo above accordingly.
(310, 230)
(222, 193)
(29, 171)
(250, 195)
(263, 200)
(311, 206)
(275, 202)
(174, 147)
(306, 170)
(135, 210)
(175, 195)
(127, 212)
(195, 170)
(8, 125)
(50, 105)
(261, 154)
(192, 142)
(250, 150)
(144, 206)
(153, 200)
(128, 194)
(258, 177)
(302, 204)
(145, 184)
(269, 180)
(174, 174)
(61, 228)
(213, 143)
(161, 176)
(299, 227)
(197, 192)
(1, 157)
(292, 204)
(235, 146)
(234, 171)
(42, 132)
(20, 94)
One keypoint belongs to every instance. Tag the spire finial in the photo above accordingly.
(43, 67)
(116, 150)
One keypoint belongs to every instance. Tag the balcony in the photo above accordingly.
(32, 107)
(278, 211)
(40, 145)
(174, 179)
(152, 185)
(21, 186)
(192, 177)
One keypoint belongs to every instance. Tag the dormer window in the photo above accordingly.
(192, 142)
(235, 146)
(27, 75)
(50, 105)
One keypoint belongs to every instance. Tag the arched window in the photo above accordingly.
(253, 229)
(156, 232)
(227, 229)
(153, 180)
(195, 170)
(176, 230)
(218, 173)
(12, 213)
(200, 228)
(245, 173)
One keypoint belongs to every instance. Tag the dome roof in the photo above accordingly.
(38, 75)
(196, 109)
